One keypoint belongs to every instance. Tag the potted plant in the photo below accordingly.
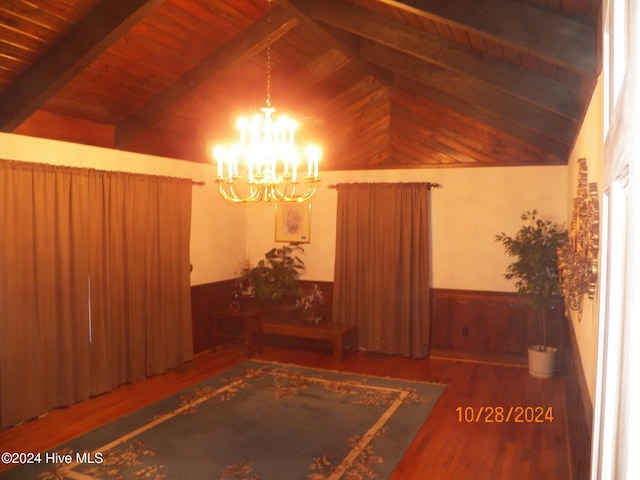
(311, 305)
(535, 247)
(275, 276)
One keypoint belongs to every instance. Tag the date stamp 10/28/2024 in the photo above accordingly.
(497, 414)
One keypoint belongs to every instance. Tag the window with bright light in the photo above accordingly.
(615, 54)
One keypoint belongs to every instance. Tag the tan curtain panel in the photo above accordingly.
(168, 295)
(118, 263)
(382, 269)
(44, 334)
(93, 265)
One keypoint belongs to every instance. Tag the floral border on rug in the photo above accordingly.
(121, 457)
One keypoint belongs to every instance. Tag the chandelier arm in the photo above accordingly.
(233, 195)
(267, 192)
(225, 195)
(312, 187)
(254, 193)
(285, 194)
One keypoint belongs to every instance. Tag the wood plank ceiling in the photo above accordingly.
(378, 83)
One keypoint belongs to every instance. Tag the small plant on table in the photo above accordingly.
(312, 305)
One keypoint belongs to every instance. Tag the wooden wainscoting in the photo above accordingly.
(216, 295)
(204, 299)
(490, 326)
(465, 324)
(579, 408)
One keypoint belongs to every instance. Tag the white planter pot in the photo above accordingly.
(541, 361)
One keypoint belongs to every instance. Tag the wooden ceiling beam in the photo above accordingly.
(329, 39)
(318, 70)
(473, 93)
(245, 45)
(524, 84)
(87, 39)
(555, 38)
(558, 152)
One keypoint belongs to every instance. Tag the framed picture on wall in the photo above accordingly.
(293, 222)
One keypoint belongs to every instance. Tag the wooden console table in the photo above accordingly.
(245, 325)
(336, 334)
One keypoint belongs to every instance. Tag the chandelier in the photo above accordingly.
(266, 165)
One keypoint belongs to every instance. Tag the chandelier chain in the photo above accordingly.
(269, 39)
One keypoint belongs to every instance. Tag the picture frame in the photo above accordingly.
(293, 222)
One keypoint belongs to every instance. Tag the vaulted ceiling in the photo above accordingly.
(378, 83)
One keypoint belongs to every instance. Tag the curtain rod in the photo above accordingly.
(199, 183)
(429, 185)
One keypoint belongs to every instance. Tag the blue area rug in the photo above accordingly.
(256, 421)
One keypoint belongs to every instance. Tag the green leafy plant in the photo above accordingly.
(535, 247)
(275, 276)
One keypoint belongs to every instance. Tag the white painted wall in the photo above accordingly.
(473, 206)
(589, 145)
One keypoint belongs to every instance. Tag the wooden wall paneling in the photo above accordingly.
(579, 407)
(516, 320)
(490, 321)
(439, 312)
(200, 306)
(204, 299)
(485, 325)
(465, 331)
(489, 325)
(217, 295)
(558, 333)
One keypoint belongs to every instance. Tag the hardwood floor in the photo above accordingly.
(446, 448)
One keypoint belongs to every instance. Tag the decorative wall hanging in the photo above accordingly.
(578, 259)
